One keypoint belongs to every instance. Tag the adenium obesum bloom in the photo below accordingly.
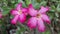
(0, 15)
(38, 17)
(19, 14)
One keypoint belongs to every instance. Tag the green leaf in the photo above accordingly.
(27, 2)
(43, 3)
(58, 7)
(19, 1)
(6, 10)
(52, 8)
(23, 3)
(22, 29)
(37, 6)
(18, 31)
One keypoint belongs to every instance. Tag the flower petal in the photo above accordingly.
(32, 22)
(25, 11)
(14, 12)
(41, 26)
(32, 11)
(14, 20)
(22, 18)
(19, 6)
(43, 9)
(46, 18)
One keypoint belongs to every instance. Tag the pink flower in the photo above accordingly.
(0, 15)
(38, 18)
(19, 14)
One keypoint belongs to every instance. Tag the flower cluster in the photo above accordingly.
(37, 19)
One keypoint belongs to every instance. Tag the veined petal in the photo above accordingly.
(43, 9)
(22, 18)
(41, 26)
(25, 11)
(14, 20)
(32, 22)
(14, 12)
(19, 6)
(46, 18)
(32, 11)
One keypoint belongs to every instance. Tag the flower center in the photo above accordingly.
(38, 15)
(20, 12)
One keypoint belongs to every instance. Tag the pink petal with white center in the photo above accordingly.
(14, 12)
(25, 11)
(43, 9)
(14, 20)
(32, 22)
(46, 18)
(22, 18)
(19, 6)
(32, 11)
(0, 15)
(41, 26)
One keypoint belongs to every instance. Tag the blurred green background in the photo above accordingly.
(54, 14)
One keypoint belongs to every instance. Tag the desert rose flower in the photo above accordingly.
(38, 17)
(19, 14)
(0, 15)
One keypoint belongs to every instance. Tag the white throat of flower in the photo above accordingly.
(19, 12)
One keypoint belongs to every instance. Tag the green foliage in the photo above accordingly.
(54, 13)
